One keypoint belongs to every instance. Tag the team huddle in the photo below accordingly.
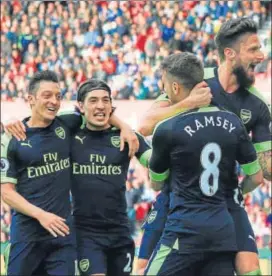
(197, 226)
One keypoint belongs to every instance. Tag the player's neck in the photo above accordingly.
(97, 128)
(226, 78)
(37, 121)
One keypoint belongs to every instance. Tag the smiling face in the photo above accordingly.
(247, 56)
(97, 109)
(45, 102)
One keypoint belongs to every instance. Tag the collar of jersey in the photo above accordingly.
(107, 130)
(35, 129)
(222, 89)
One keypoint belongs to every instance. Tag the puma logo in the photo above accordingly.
(80, 139)
(26, 144)
(250, 237)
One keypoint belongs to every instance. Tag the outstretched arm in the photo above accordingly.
(163, 109)
(73, 120)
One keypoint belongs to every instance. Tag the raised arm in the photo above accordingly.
(73, 120)
(162, 108)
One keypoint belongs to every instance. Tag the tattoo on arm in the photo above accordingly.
(265, 162)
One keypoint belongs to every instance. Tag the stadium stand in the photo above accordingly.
(123, 44)
(120, 43)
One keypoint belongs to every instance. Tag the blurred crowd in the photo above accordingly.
(258, 207)
(121, 42)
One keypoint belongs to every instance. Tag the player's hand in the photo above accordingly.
(200, 95)
(54, 224)
(129, 136)
(17, 129)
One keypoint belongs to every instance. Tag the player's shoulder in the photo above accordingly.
(209, 73)
(114, 131)
(168, 124)
(59, 127)
(71, 118)
(162, 98)
(257, 96)
(69, 112)
(7, 141)
(143, 139)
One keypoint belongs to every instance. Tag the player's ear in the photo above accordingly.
(175, 87)
(31, 99)
(230, 54)
(80, 106)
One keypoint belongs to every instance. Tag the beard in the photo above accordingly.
(243, 79)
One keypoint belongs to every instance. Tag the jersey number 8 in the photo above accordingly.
(210, 168)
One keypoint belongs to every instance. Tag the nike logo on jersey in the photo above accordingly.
(250, 237)
(80, 139)
(26, 144)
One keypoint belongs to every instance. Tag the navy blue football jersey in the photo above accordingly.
(251, 108)
(99, 177)
(248, 104)
(198, 150)
(41, 170)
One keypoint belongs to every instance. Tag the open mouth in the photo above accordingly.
(100, 115)
(52, 109)
(251, 67)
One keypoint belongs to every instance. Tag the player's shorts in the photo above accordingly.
(101, 255)
(244, 232)
(54, 257)
(171, 262)
(153, 226)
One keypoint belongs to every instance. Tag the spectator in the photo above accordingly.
(132, 197)
(211, 60)
(110, 40)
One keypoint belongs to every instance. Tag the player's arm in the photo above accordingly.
(74, 120)
(54, 224)
(159, 162)
(265, 162)
(144, 152)
(51, 222)
(162, 108)
(9, 180)
(261, 138)
(127, 135)
(247, 158)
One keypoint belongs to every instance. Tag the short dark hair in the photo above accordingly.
(91, 85)
(231, 31)
(38, 77)
(185, 67)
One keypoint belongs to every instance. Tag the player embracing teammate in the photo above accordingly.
(231, 86)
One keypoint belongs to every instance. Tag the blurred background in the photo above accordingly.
(123, 43)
